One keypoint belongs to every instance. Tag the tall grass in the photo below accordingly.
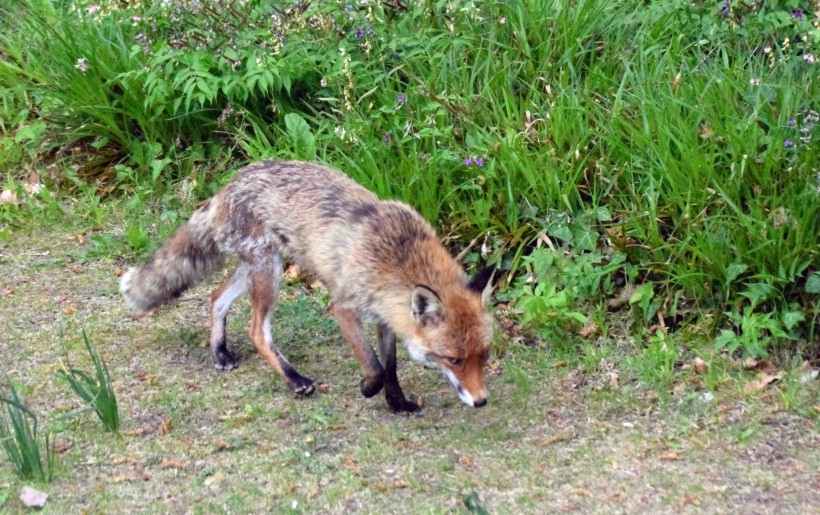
(29, 452)
(692, 125)
(96, 391)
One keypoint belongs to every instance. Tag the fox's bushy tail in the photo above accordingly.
(187, 257)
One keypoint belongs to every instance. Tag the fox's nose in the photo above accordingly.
(480, 402)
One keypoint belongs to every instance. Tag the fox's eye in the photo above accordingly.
(456, 362)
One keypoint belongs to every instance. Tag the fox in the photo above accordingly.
(380, 261)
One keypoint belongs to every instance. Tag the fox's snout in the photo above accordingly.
(471, 395)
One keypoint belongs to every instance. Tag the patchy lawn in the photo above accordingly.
(197, 440)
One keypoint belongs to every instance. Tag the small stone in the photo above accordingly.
(32, 498)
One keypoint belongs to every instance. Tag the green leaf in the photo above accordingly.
(560, 230)
(584, 238)
(100, 142)
(734, 270)
(473, 504)
(727, 339)
(304, 144)
(31, 132)
(603, 214)
(792, 318)
(758, 292)
(157, 165)
(643, 291)
(542, 261)
(813, 283)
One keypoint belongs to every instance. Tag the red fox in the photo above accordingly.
(380, 261)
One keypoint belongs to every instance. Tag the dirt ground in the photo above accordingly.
(198, 440)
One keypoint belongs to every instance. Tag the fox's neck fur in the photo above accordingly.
(424, 262)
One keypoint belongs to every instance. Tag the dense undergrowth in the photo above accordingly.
(663, 153)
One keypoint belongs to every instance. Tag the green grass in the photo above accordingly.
(29, 451)
(558, 433)
(97, 391)
(671, 143)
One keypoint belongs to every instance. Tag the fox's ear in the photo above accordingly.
(426, 306)
(482, 283)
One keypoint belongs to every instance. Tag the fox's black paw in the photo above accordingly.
(403, 406)
(224, 359)
(302, 386)
(370, 386)
(398, 403)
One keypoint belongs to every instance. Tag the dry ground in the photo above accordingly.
(196, 440)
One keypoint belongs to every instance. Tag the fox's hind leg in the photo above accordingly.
(221, 300)
(392, 390)
(264, 288)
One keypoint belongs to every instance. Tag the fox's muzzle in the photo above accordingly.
(476, 400)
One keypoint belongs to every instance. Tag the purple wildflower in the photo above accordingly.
(726, 8)
(798, 14)
(360, 33)
(792, 122)
(386, 138)
(401, 99)
(788, 144)
(477, 161)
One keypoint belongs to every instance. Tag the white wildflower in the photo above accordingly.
(82, 64)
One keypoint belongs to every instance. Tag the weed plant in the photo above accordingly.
(30, 452)
(96, 391)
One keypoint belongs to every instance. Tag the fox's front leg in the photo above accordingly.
(392, 390)
(351, 327)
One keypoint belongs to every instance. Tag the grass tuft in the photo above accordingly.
(33, 457)
(96, 391)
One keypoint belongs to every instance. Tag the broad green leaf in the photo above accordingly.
(758, 292)
(304, 144)
(813, 283)
(792, 318)
(644, 291)
(734, 270)
(726, 340)
(603, 214)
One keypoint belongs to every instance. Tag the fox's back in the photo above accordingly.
(318, 218)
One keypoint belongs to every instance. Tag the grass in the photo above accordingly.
(30, 452)
(675, 136)
(642, 175)
(96, 391)
(558, 433)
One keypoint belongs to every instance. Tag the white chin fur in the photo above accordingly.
(463, 394)
(419, 355)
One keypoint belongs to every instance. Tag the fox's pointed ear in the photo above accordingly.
(482, 283)
(426, 306)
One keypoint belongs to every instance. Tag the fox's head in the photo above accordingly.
(452, 333)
